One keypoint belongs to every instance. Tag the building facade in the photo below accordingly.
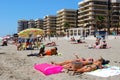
(31, 24)
(22, 24)
(66, 18)
(89, 10)
(39, 23)
(85, 16)
(50, 24)
(115, 13)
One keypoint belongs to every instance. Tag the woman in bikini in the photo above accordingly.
(77, 63)
(104, 45)
(87, 68)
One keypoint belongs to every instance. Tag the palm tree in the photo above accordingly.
(100, 22)
(66, 25)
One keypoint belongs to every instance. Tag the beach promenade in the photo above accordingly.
(16, 65)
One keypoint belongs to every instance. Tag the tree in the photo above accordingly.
(66, 25)
(100, 22)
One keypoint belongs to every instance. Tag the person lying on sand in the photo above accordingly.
(49, 52)
(50, 44)
(91, 67)
(43, 52)
(79, 61)
(80, 41)
(97, 64)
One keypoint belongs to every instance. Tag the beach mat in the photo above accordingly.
(48, 69)
(106, 72)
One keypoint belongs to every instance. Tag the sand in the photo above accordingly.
(15, 65)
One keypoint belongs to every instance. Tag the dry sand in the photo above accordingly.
(15, 65)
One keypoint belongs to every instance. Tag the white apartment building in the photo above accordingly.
(90, 9)
(50, 24)
(66, 16)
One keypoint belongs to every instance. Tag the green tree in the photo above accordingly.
(66, 25)
(100, 22)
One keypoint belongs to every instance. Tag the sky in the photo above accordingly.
(13, 10)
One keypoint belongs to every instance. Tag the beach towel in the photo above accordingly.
(48, 69)
(106, 72)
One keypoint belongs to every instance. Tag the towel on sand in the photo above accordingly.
(106, 72)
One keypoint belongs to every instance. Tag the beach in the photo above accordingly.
(16, 65)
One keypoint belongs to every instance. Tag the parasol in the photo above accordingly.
(31, 32)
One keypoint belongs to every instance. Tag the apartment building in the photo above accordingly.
(66, 17)
(90, 9)
(50, 24)
(22, 24)
(31, 23)
(115, 13)
(39, 23)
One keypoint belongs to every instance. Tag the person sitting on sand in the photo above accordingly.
(79, 62)
(97, 43)
(41, 51)
(19, 45)
(72, 39)
(4, 43)
(103, 45)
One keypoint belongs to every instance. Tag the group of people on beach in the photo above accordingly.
(99, 44)
(28, 43)
(42, 52)
(81, 65)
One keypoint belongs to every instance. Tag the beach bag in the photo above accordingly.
(48, 69)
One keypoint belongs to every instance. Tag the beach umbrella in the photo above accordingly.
(30, 32)
(6, 37)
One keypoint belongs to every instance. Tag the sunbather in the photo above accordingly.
(4, 43)
(41, 52)
(103, 45)
(51, 44)
(87, 68)
(72, 39)
(19, 45)
(79, 62)
(49, 52)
